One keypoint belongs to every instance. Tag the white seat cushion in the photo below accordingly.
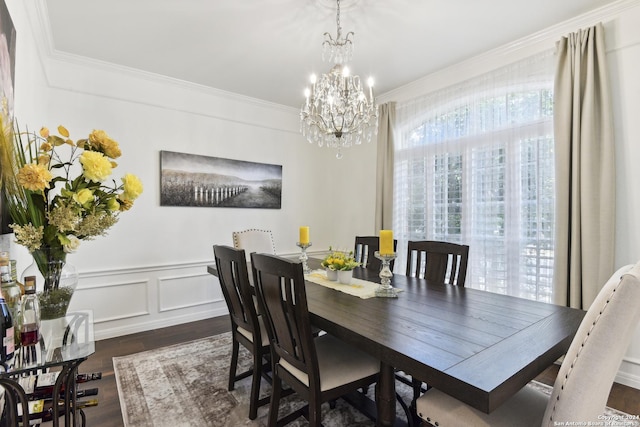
(526, 408)
(338, 363)
(263, 332)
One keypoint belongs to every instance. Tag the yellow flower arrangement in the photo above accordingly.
(339, 260)
(57, 190)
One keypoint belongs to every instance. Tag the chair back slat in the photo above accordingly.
(282, 297)
(437, 261)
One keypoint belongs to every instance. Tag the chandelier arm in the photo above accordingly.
(323, 125)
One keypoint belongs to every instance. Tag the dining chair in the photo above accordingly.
(254, 240)
(438, 261)
(319, 369)
(247, 327)
(581, 389)
(442, 262)
(364, 249)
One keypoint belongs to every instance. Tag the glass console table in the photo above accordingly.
(64, 344)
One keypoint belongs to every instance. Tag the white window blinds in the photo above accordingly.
(474, 165)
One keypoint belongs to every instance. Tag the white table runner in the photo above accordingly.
(358, 287)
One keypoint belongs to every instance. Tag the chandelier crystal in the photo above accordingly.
(337, 112)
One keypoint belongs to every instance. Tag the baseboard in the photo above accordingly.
(118, 331)
(626, 374)
(622, 377)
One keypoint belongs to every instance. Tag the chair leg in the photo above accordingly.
(255, 384)
(417, 390)
(275, 401)
(234, 363)
(315, 413)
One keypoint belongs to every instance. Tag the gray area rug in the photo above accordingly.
(186, 385)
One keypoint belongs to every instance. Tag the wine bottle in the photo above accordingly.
(42, 411)
(6, 326)
(79, 393)
(43, 384)
(29, 314)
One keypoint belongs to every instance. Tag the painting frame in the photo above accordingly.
(194, 180)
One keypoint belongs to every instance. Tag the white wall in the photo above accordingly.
(622, 38)
(151, 269)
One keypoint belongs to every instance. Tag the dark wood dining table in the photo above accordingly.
(477, 346)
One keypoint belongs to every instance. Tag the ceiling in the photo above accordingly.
(267, 49)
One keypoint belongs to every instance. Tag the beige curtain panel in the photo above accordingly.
(585, 169)
(384, 174)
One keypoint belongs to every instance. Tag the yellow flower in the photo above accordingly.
(34, 177)
(132, 187)
(96, 167)
(125, 204)
(100, 141)
(113, 205)
(83, 196)
(68, 207)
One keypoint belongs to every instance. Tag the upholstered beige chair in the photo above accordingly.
(585, 378)
(254, 240)
(318, 369)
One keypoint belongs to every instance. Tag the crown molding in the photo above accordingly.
(39, 19)
(511, 52)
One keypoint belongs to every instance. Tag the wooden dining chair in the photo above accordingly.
(364, 249)
(254, 240)
(319, 369)
(247, 327)
(585, 377)
(437, 261)
(440, 262)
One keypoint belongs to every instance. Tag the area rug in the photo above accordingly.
(186, 385)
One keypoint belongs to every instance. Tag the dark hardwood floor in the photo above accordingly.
(108, 414)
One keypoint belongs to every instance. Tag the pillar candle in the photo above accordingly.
(304, 235)
(386, 242)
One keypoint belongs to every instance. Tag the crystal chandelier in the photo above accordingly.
(337, 112)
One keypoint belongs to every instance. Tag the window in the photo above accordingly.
(474, 165)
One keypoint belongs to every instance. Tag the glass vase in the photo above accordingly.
(56, 281)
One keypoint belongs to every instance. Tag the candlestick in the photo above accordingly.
(303, 256)
(386, 242)
(385, 289)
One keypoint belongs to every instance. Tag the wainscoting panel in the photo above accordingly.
(131, 297)
(131, 300)
(190, 290)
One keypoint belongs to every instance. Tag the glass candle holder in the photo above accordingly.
(303, 256)
(385, 289)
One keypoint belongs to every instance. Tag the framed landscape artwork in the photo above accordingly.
(195, 180)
